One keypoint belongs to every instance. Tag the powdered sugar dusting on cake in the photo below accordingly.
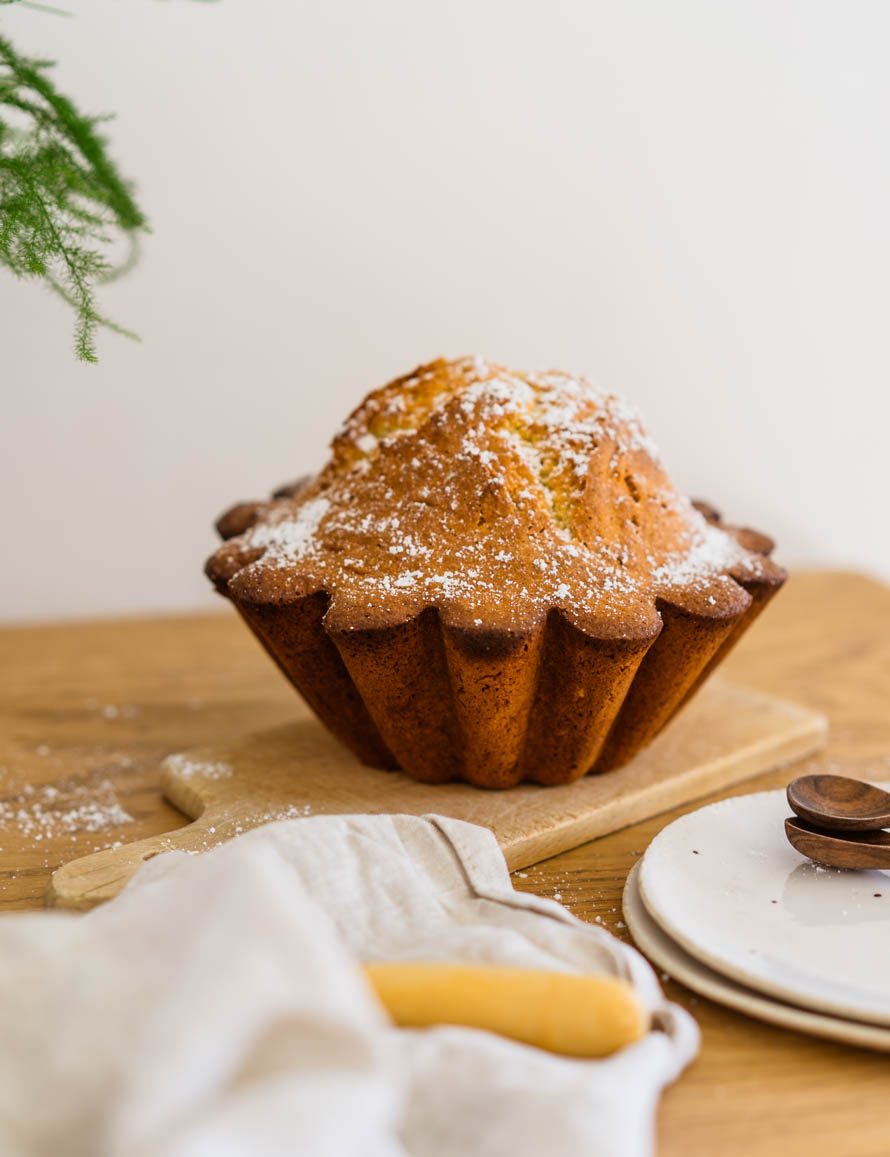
(498, 494)
(710, 552)
(289, 538)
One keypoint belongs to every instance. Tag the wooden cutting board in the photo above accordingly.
(726, 734)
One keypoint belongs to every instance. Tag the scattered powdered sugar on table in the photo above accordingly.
(291, 812)
(51, 811)
(112, 711)
(186, 767)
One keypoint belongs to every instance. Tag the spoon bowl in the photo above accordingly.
(839, 803)
(839, 849)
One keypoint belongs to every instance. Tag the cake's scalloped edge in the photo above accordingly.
(495, 708)
(545, 702)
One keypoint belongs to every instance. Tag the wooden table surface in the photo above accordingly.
(87, 710)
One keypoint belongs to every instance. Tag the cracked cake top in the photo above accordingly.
(495, 496)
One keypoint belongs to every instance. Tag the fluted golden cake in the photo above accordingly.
(492, 579)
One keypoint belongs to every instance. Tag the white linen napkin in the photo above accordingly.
(215, 1009)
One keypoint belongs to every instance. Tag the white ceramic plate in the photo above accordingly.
(726, 885)
(654, 943)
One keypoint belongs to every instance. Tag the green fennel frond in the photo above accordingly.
(63, 203)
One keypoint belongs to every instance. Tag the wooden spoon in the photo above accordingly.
(840, 803)
(839, 849)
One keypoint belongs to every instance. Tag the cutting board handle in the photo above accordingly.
(90, 880)
(723, 736)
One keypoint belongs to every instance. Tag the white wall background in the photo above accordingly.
(688, 201)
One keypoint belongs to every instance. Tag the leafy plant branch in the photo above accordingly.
(63, 203)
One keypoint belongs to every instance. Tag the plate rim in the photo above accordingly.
(666, 954)
(736, 972)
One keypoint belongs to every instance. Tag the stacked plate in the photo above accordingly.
(724, 904)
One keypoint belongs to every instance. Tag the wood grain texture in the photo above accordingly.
(755, 1089)
(725, 735)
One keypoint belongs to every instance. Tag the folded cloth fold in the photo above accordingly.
(215, 1008)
